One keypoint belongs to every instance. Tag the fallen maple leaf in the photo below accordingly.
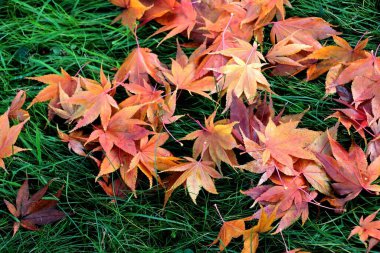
(182, 18)
(290, 195)
(368, 229)
(350, 170)
(151, 157)
(196, 174)
(34, 211)
(159, 9)
(334, 59)
(95, 101)
(228, 231)
(305, 30)
(215, 141)
(182, 74)
(113, 188)
(367, 89)
(263, 12)
(368, 67)
(251, 236)
(67, 110)
(8, 137)
(281, 52)
(51, 92)
(285, 141)
(243, 77)
(134, 10)
(122, 131)
(15, 111)
(138, 66)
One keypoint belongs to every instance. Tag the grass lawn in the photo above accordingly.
(40, 37)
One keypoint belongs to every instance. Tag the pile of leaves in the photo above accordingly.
(120, 122)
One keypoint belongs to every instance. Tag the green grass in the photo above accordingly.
(40, 37)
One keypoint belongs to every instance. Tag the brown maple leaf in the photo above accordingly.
(214, 142)
(34, 211)
(368, 230)
(8, 137)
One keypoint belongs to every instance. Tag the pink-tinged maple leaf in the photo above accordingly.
(290, 195)
(368, 230)
(350, 171)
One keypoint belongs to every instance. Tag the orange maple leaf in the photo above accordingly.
(95, 101)
(215, 141)
(309, 30)
(138, 66)
(134, 10)
(334, 59)
(368, 229)
(251, 236)
(182, 74)
(196, 174)
(180, 19)
(229, 230)
(51, 92)
(285, 142)
(8, 137)
(122, 131)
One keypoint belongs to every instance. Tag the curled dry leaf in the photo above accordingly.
(15, 110)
